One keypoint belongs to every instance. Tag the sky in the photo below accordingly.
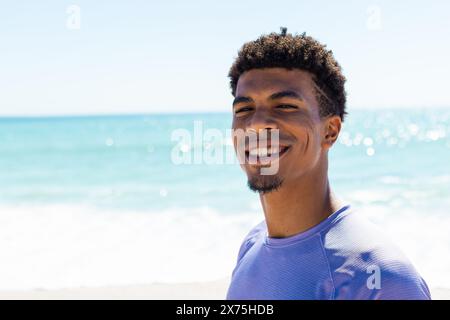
(101, 57)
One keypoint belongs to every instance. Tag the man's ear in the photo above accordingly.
(332, 127)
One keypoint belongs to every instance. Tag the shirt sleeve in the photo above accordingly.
(403, 287)
(402, 284)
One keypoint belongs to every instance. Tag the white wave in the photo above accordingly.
(60, 246)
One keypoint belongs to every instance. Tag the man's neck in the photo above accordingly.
(299, 204)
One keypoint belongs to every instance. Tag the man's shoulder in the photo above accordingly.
(356, 235)
(364, 260)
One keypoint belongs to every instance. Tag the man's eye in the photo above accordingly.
(243, 109)
(286, 106)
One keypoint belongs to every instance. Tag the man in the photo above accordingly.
(310, 245)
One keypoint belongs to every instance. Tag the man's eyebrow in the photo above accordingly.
(286, 94)
(240, 99)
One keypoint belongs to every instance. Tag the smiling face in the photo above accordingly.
(278, 98)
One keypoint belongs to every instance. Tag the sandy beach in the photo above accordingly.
(214, 290)
(157, 291)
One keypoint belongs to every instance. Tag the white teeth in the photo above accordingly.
(264, 152)
(275, 150)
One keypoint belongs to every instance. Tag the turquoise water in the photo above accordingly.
(116, 162)
(98, 200)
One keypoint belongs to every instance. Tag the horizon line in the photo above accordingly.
(153, 113)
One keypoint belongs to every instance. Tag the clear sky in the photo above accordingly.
(173, 56)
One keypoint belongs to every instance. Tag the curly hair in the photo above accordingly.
(288, 51)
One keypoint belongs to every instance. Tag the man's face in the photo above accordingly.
(277, 98)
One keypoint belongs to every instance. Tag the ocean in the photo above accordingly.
(101, 200)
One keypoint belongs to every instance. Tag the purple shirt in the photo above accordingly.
(343, 257)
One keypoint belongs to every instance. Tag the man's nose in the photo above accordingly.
(261, 120)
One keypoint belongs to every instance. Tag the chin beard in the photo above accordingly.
(264, 184)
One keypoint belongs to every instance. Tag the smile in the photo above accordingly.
(258, 156)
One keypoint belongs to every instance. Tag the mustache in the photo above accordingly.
(269, 136)
(268, 132)
(245, 142)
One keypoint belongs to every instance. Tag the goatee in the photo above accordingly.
(264, 184)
